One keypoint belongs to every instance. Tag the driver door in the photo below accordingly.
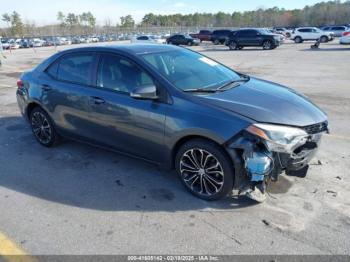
(119, 121)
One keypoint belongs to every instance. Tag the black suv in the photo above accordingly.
(253, 37)
(220, 36)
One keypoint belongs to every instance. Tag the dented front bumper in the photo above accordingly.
(255, 163)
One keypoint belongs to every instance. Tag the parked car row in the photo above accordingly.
(298, 35)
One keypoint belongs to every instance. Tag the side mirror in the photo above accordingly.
(145, 92)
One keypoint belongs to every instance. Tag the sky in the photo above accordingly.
(44, 12)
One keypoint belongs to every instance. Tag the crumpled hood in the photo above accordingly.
(267, 102)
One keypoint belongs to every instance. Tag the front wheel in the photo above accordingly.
(189, 43)
(205, 169)
(43, 128)
(324, 39)
(267, 45)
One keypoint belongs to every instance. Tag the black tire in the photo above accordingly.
(203, 185)
(43, 128)
(189, 43)
(267, 45)
(233, 45)
(216, 42)
(170, 43)
(240, 47)
(324, 39)
(298, 40)
(288, 34)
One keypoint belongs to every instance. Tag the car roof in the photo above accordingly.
(132, 49)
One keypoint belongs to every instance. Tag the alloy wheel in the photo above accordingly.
(202, 172)
(41, 127)
(267, 45)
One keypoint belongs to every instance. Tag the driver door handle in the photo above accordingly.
(97, 100)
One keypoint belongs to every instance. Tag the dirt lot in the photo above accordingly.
(76, 199)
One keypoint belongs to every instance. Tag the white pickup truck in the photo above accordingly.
(311, 33)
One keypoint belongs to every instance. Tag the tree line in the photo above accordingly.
(323, 13)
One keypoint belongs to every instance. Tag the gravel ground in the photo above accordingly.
(76, 199)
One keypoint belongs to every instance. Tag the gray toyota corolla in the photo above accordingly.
(221, 130)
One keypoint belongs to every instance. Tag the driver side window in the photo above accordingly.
(118, 74)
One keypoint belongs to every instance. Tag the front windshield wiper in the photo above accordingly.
(200, 90)
(244, 78)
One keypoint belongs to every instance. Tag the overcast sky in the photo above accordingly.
(45, 11)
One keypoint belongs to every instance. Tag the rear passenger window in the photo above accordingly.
(52, 70)
(76, 68)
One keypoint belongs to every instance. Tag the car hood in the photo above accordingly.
(267, 102)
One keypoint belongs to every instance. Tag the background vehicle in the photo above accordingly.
(220, 36)
(203, 35)
(176, 108)
(148, 39)
(345, 39)
(253, 37)
(310, 33)
(182, 40)
(284, 31)
(336, 30)
(5, 44)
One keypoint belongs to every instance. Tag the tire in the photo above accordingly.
(189, 43)
(298, 40)
(170, 43)
(233, 45)
(240, 47)
(324, 39)
(43, 128)
(216, 42)
(288, 35)
(267, 45)
(205, 169)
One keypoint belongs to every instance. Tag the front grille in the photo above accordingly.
(316, 128)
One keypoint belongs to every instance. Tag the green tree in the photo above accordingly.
(127, 21)
(16, 24)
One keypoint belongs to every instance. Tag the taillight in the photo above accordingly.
(346, 33)
(20, 83)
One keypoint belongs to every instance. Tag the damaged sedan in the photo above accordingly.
(219, 129)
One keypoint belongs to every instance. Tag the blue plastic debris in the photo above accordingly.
(258, 165)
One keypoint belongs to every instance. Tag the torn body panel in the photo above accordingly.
(258, 163)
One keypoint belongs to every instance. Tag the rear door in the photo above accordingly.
(64, 92)
(117, 120)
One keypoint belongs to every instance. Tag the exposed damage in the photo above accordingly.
(262, 152)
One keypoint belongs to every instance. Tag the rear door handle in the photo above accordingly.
(97, 100)
(46, 87)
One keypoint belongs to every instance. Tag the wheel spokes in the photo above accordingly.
(201, 172)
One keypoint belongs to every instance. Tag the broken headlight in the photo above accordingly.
(277, 138)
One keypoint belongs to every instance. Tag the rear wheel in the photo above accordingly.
(43, 128)
(233, 45)
(205, 169)
(216, 42)
(189, 43)
(298, 40)
(170, 43)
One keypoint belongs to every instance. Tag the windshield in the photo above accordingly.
(189, 70)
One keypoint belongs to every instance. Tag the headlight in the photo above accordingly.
(279, 138)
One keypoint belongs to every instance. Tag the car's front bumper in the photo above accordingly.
(249, 155)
